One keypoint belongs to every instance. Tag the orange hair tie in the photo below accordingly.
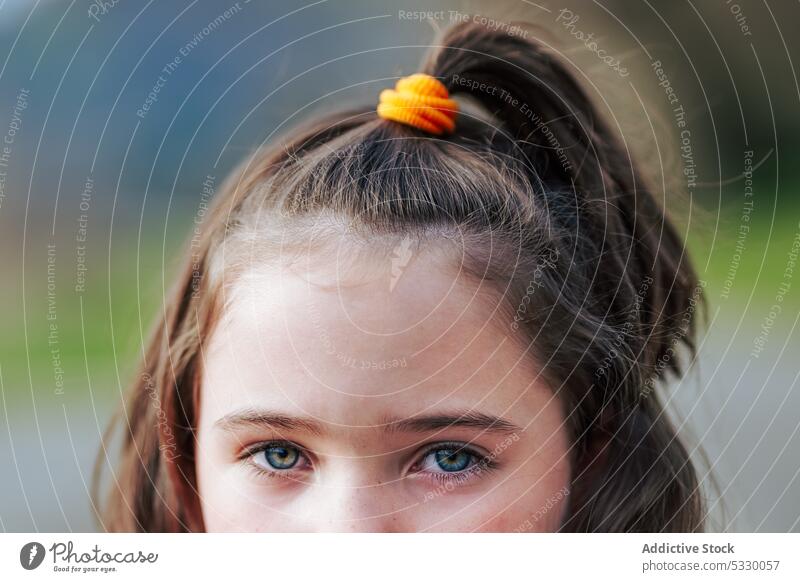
(421, 101)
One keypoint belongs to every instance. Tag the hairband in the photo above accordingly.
(421, 101)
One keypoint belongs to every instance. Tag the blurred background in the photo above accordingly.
(114, 114)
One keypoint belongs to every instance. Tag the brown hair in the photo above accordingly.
(546, 205)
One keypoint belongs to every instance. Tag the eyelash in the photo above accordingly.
(480, 463)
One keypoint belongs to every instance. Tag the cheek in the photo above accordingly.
(229, 505)
(510, 509)
(541, 511)
(220, 501)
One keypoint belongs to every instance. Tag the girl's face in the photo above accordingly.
(386, 398)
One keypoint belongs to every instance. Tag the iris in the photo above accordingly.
(281, 456)
(452, 460)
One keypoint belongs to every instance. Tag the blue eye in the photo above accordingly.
(452, 460)
(447, 458)
(280, 457)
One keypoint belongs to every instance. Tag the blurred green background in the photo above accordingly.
(75, 77)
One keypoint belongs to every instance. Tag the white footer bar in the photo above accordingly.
(356, 557)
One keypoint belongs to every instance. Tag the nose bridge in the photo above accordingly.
(349, 502)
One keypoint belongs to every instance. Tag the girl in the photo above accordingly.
(448, 314)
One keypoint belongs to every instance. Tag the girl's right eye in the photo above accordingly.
(278, 457)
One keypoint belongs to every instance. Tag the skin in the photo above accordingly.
(365, 371)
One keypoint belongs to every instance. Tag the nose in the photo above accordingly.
(348, 504)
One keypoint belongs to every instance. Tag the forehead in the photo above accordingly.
(352, 344)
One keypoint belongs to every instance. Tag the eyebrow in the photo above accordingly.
(252, 418)
(474, 420)
(255, 419)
